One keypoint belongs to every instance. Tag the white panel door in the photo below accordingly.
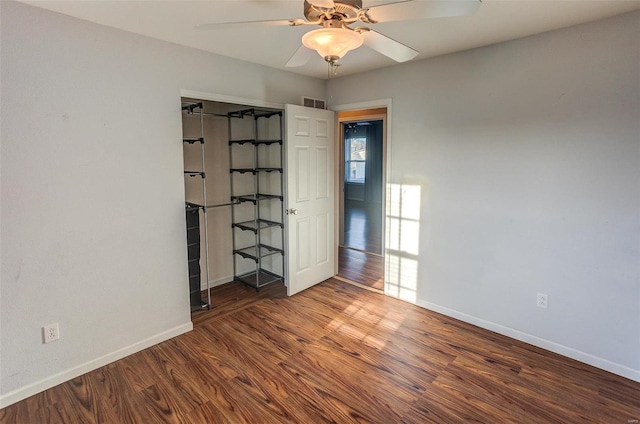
(310, 197)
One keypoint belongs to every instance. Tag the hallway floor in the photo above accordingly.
(360, 259)
(363, 226)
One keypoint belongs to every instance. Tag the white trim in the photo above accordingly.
(201, 95)
(354, 283)
(63, 376)
(217, 282)
(569, 352)
(370, 104)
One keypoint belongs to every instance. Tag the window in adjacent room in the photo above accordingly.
(355, 158)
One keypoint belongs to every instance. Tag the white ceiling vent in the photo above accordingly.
(314, 103)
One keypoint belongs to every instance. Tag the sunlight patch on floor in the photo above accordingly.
(357, 313)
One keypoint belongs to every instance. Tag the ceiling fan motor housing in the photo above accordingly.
(348, 9)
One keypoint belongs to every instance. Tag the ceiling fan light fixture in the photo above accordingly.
(332, 43)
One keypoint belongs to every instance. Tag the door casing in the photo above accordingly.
(386, 157)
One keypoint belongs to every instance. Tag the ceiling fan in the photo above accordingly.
(337, 36)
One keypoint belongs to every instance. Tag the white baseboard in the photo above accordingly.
(536, 341)
(51, 381)
(217, 282)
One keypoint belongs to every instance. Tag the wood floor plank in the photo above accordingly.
(334, 353)
(220, 397)
(362, 267)
(337, 397)
(482, 388)
(112, 387)
(400, 369)
(82, 402)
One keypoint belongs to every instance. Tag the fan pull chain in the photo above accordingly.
(332, 69)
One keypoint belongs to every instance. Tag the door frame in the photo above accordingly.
(386, 157)
(213, 97)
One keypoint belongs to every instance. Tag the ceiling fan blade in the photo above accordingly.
(422, 9)
(388, 47)
(245, 24)
(326, 4)
(300, 57)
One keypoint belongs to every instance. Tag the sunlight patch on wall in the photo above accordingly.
(403, 241)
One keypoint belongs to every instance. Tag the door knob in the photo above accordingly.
(292, 211)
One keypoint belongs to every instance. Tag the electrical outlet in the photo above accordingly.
(50, 333)
(542, 301)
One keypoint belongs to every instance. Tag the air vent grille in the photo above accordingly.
(314, 103)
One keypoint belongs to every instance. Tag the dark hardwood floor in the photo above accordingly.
(360, 260)
(363, 226)
(334, 353)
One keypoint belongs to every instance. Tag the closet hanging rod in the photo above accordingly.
(219, 205)
(222, 204)
(206, 113)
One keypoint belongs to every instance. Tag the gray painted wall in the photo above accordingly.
(515, 170)
(92, 215)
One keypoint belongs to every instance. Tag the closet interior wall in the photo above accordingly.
(215, 133)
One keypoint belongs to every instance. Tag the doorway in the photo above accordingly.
(361, 229)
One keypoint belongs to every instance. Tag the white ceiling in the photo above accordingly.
(175, 21)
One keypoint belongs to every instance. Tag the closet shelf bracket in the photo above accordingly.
(193, 140)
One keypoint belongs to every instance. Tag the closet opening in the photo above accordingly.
(234, 180)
